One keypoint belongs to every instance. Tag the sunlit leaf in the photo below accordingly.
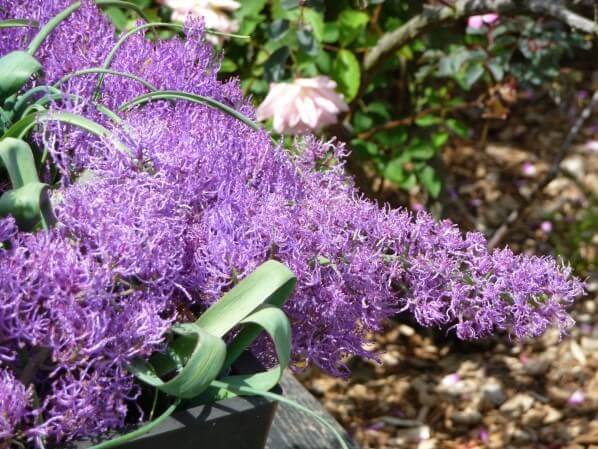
(29, 205)
(16, 69)
(17, 158)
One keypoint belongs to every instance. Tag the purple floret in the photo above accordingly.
(145, 240)
(15, 400)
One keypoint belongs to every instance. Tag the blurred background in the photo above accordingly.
(489, 120)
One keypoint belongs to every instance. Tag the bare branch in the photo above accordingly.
(431, 17)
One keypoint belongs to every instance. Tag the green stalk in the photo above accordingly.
(18, 23)
(178, 95)
(22, 100)
(139, 432)
(122, 40)
(104, 70)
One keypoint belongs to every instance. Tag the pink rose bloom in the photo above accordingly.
(215, 13)
(477, 22)
(306, 104)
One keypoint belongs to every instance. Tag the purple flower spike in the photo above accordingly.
(158, 236)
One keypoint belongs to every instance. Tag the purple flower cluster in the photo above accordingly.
(148, 239)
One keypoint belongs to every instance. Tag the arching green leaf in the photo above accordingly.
(103, 70)
(243, 390)
(112, 53)
(16, 23)
(202, 355)
(29, 205)
(16, 68)
(177, 95)
(274, 321)
(270, 283)
(17, 158)
(23, 126)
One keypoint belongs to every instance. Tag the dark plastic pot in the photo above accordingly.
(236, 423)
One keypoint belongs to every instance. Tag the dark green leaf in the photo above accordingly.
(275, 66)
(458, 127)
(471, 75)
(428, 120)
(228, 66)
(324, 62)
(379, 108)
(439, 139)
(306, 41)
(278, 29)
(362, 122)
(394, 170)
(497, 68)
(250, 8)
(29, 205)
(250, 23)
(331, 33)
(364, 149)
(118, 17)
(421, 150)
(315, 21)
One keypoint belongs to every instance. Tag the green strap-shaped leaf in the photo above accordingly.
(140, 431)
(204, 355)
(270, 283)
(200, 343)
(103, 70)
(24, 100)
(29, 205)
(110, 56)
(17, 158)
(16, 68)
(178, 95)
(244, 390)
(274, 321)
(16, 23)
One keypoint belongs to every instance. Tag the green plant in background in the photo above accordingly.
(402, 115)
(577, 240)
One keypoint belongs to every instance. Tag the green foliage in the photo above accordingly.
(16, 69)
(402, 117)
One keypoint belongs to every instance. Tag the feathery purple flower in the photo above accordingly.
(204, 200)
